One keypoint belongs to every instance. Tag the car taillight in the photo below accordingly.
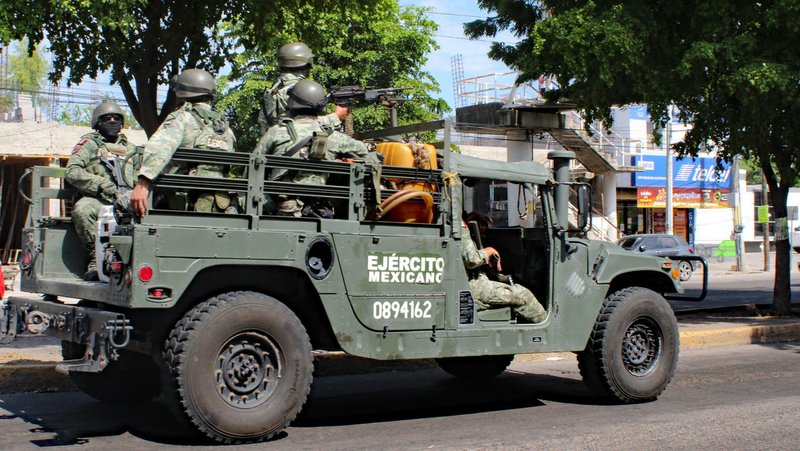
(691, 250)
(27, 258)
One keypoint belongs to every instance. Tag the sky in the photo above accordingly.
(451, 16)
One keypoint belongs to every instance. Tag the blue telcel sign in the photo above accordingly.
(686, 173)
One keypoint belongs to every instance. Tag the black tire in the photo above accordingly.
(133, 378)
(685, 269)
(480, 367)
(633, 349)
(240, 366)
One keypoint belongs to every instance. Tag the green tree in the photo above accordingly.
(731, 67)
(381, 46)
(143, 43)
(27, 74)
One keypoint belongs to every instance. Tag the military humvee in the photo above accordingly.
(220, 313)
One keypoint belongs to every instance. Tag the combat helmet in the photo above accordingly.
(307, 95)
(295, 55)
(103, 109)
(193, 83)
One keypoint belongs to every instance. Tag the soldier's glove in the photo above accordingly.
(108, 191)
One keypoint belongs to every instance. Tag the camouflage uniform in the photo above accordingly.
(193, 125)
(278, 140)
(489, 293)
(276, 100)
(88, 171)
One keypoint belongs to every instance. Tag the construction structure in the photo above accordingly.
(496, 107)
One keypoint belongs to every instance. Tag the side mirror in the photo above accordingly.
(584, 207)
(642, 248)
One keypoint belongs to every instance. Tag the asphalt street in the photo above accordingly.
(735, 397)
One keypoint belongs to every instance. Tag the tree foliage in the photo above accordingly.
(26, 75)
(143, 43)
(731, 67)
(381, 45)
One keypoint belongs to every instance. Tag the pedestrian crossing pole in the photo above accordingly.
(737, 215)
(765, 225)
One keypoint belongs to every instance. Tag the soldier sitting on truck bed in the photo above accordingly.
(95, 169)
(489, 293)
(195, 124)
(294, 62)
(305, 135)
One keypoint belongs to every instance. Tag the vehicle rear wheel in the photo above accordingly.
(633, 349)
(240, 365)
(479, 367)
(133, 378)
(685, 270)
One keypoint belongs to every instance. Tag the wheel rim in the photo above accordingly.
(248, 369)
(685, 269)
(641, 346)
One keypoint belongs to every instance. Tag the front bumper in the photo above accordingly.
(101, 332)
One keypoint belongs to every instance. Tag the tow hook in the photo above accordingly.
(119, 327)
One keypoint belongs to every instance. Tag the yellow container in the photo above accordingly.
(402, 154)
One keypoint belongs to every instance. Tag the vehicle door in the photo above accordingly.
(668, 246)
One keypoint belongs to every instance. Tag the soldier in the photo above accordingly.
(489, 293)
(95, 169)
(294, 62)
(305, 134)
(195, 124)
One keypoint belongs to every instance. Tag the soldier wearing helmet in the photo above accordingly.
(96, 170)
(194, 124)
(294, 63)
(306, 134)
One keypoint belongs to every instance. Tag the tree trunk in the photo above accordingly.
(782, 293)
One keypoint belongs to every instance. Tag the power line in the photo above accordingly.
(456, 15)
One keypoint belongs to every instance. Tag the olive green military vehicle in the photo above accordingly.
(219, 313)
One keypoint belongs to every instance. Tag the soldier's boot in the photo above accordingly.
(532, 312)
(91, 269)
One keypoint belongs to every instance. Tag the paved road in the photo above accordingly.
(738, 397)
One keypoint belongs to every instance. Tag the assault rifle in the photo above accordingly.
(345, 95)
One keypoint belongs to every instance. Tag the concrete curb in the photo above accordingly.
(27, 376)
(739, 335)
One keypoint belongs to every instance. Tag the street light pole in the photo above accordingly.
(668, 214)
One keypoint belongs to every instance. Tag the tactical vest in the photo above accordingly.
(111, 159)
(212, 136)
(213, 127)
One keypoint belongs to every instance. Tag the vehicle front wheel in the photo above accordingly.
(633, 349)
(685, 270)
(479, 367)
(240, 365)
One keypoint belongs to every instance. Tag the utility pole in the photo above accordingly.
(668, 214)
(737, 214)
(764, 201)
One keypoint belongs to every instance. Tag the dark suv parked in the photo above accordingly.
(662, 245)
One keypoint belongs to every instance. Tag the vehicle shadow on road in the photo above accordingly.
(348, 400)
(71, 418)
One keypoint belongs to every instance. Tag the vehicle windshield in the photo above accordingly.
(627, 243)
